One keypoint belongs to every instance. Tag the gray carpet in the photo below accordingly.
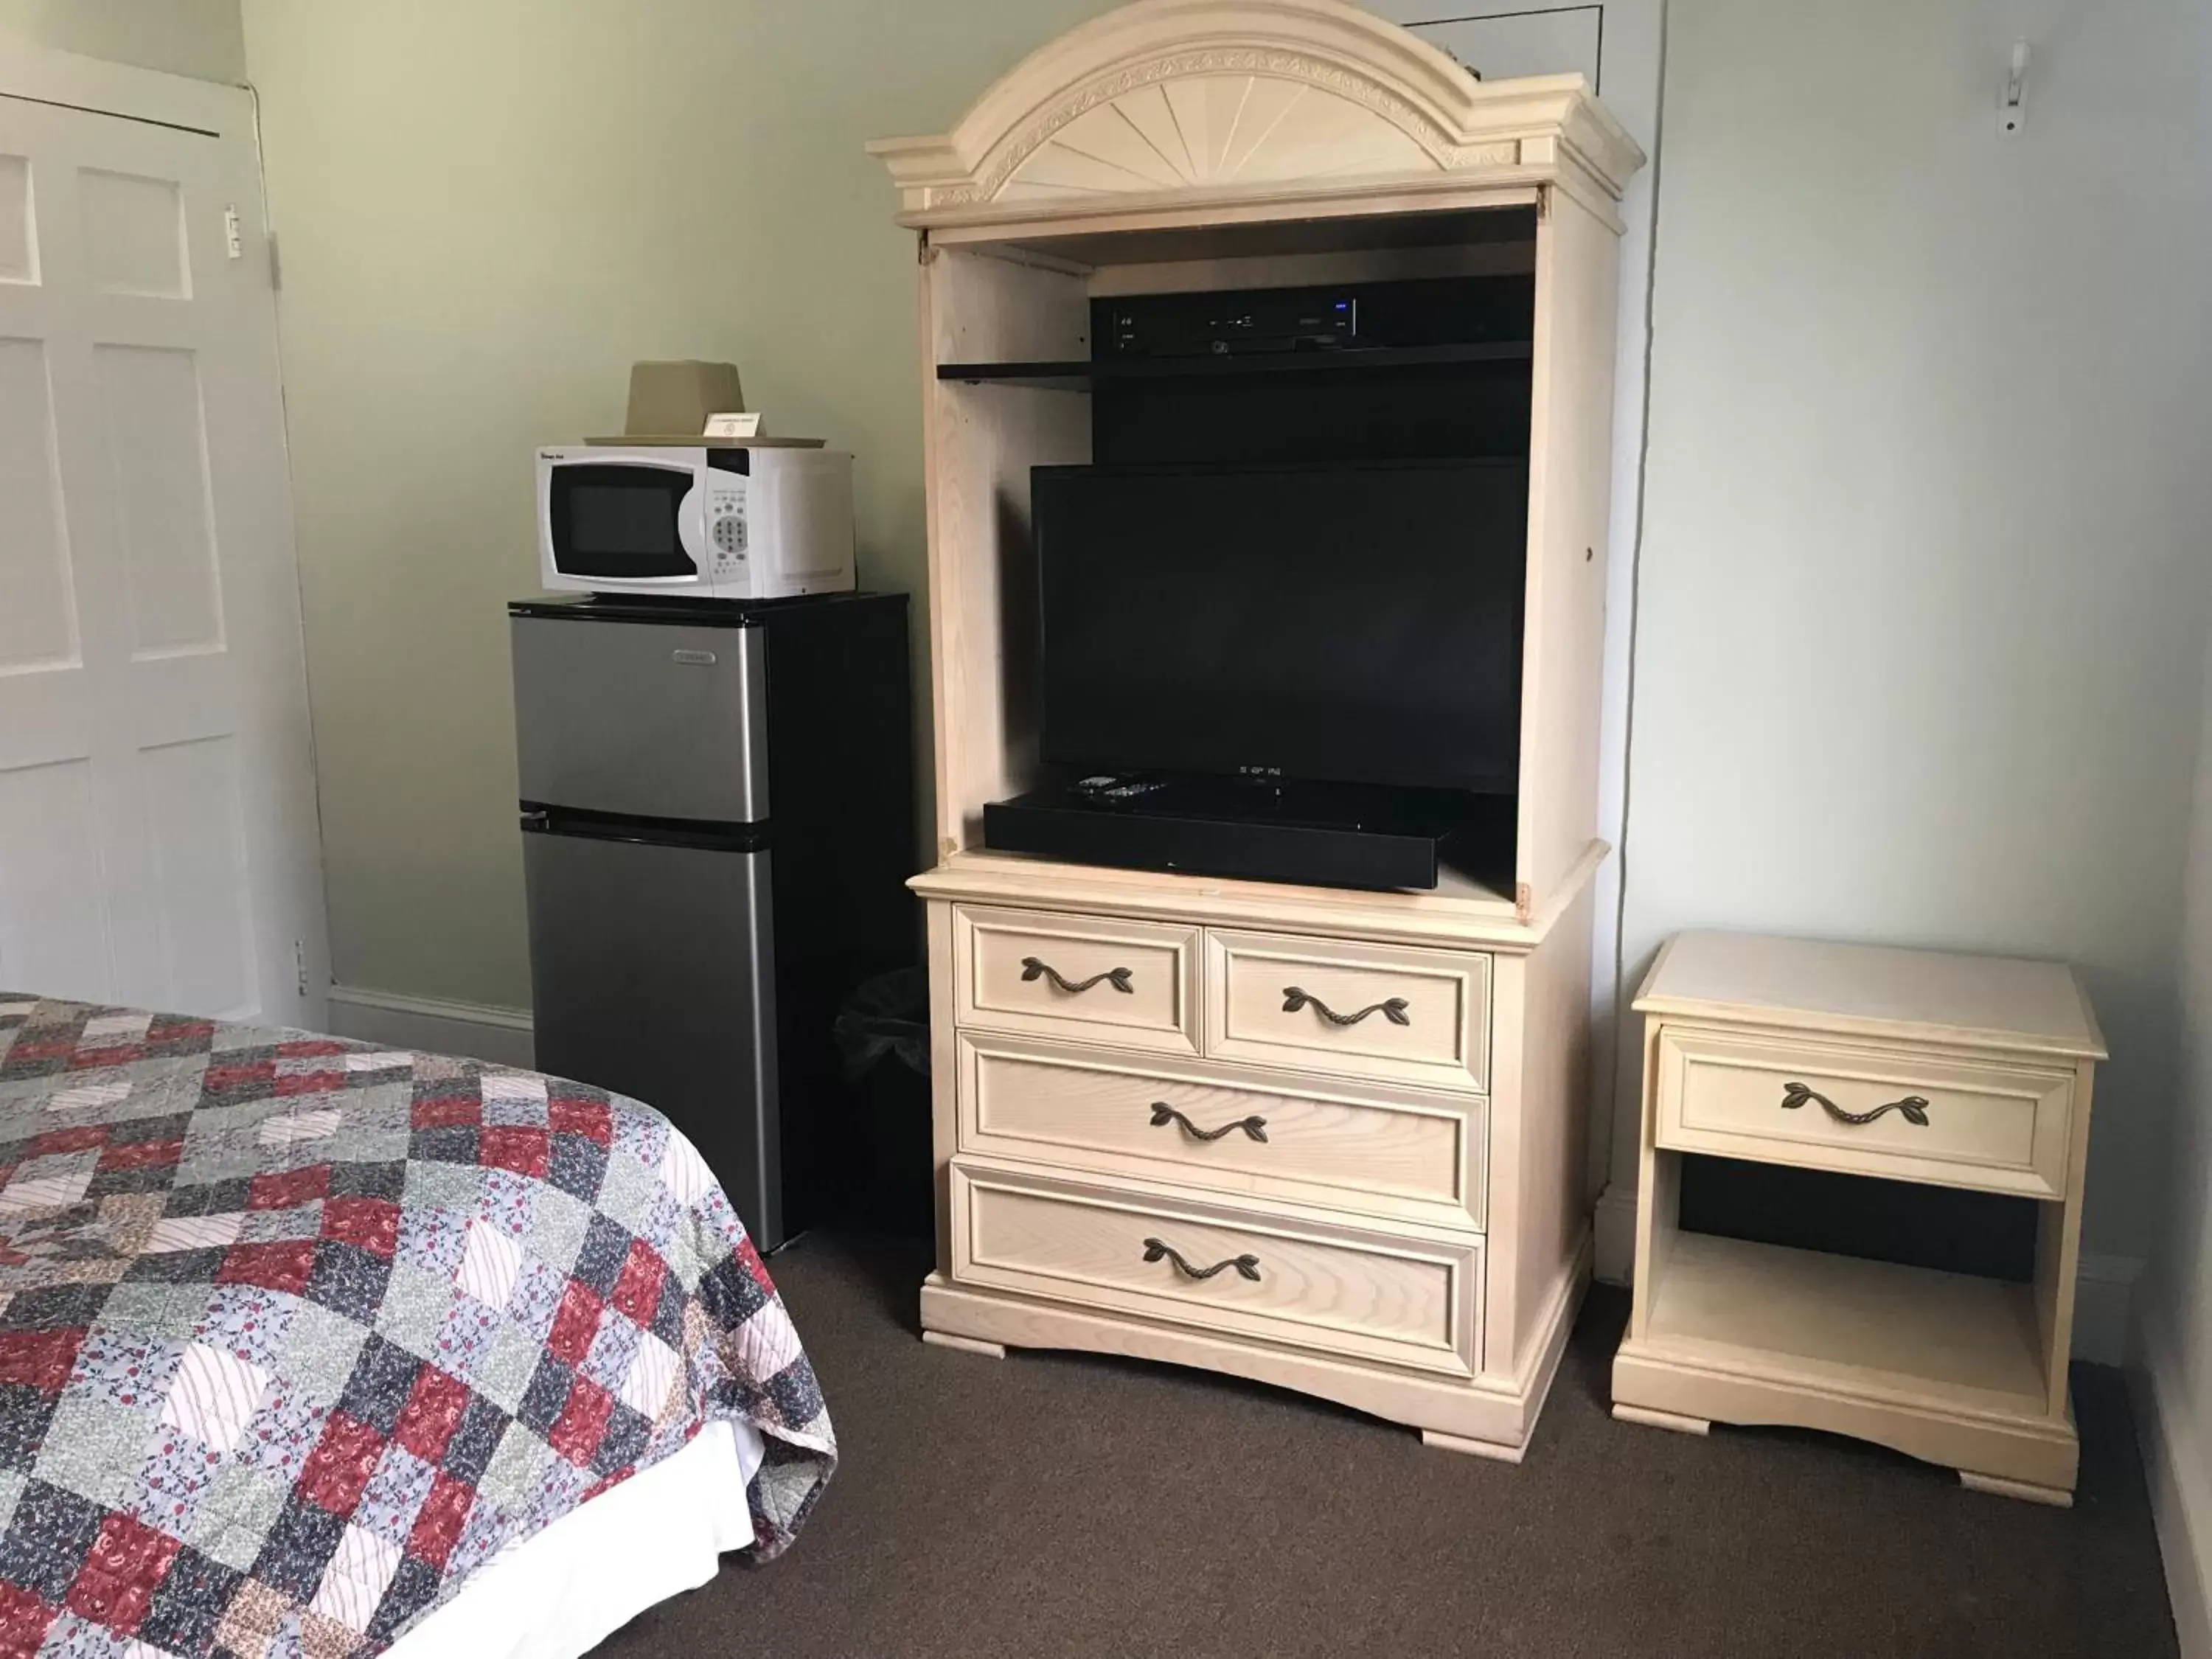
(1052, 1503)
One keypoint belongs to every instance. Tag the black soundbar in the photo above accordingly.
(1321, 841)
(1423, 312)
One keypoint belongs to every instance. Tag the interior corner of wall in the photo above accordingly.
(2179, 1480)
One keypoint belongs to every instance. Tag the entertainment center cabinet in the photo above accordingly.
(1331, 1138)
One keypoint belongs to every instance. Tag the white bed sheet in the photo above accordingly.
(563, 1591)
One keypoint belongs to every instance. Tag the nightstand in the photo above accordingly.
(1961, 1072)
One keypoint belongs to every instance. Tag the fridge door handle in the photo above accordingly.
(547, 818)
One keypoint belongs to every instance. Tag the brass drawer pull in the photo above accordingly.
(1118, 978)
(1915, 1108)
(1294, 999)
(1248, 1265)
(1164, 1114)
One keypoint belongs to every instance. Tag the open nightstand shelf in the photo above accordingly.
(1844, 1322)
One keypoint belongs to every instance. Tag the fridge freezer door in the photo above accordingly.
(655, 720)
(652, 974)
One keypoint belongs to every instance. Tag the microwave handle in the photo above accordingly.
(692, 524)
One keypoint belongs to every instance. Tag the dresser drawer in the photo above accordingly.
(1344, 1291)
(1995, 1126)
(1368, 1011)
(1380, 1151)
(1131, 983)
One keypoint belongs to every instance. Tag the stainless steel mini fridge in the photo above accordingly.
(717, 818)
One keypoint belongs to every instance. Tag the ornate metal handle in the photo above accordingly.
(1294, 999)
(1164, 1114)
(1247, 1266)
(1915, 1108)
(1116, 977)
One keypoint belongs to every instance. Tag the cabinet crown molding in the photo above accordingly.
(1227, 101)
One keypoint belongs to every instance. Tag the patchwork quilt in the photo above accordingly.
(297, 1334)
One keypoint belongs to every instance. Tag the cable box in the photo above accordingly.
(1419, 312)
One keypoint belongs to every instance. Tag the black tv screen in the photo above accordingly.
(1353, 623)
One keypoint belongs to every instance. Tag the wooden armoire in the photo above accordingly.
(1170, 1118)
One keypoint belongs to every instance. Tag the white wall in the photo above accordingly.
(1922, 597)
(2174, 1414)
(201, 38)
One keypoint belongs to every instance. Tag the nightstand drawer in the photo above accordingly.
(1368, 1011)
(1866, 1110)
(1408, 1301)
(1383, 1151)
(1131, 983)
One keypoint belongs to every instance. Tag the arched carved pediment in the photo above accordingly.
(1213, 98)
(1215, 118)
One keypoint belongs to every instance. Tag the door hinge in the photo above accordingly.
(300, 964)
(234, 242)
(923, 254)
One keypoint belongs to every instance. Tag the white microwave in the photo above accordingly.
(695, 522)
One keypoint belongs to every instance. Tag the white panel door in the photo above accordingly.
(158, 840)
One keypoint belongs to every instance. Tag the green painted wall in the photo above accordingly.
(485, 212)
(205, 38)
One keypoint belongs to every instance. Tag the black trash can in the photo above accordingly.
(883, 1038)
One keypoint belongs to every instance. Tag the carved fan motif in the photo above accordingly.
(1211, 129)
(1266, 100)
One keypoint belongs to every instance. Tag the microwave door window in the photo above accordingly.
(620, 522)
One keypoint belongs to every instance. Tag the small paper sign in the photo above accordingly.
(733, 425)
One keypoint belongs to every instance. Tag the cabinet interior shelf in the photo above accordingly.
(1847, 1325)
(1082, 375)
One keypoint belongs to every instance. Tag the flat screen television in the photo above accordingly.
(1353, 623)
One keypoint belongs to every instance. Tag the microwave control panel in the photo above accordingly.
(726, 523)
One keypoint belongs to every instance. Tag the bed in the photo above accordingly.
(310, 1347)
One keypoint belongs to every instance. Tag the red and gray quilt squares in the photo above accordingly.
(296, 1333)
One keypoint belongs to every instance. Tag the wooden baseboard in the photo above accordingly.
(1615, 1228)
(2104, 1307)
(2180, 1483)
(473, 1030)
